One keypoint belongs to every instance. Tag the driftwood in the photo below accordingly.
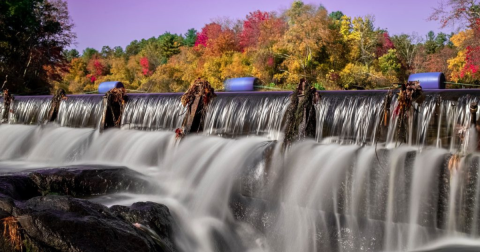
(196, 99)
(409, 94)
(55, 104)
(300, 117)
(113, 106)
(7, 100)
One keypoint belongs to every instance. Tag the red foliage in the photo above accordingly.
(210, 31)
(99, 68)
(145, 64)
(270, 61)
(96, 69)
(385, 44)
(472, 61)
(92, 78)
(251, 28)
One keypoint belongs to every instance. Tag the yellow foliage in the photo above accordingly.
(346, 27)
(238, 66)
(460, 38)
(456, 65)
(355, 76)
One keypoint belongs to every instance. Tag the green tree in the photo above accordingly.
(190, 37)
(106, 52)
(71, 54)
(89, 53)
(169, 44)
(389, 63)
(430, 45)
(133, 48)
(118, 52)
(407, 49)
(336, 15)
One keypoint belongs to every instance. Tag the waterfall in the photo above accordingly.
(80, 111)
(248, 194)
(355, 187)
(442, 120)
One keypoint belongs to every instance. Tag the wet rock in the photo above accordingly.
(82, 182)
(63, 223)
(58, 222)
(154, 216)
(18, 187)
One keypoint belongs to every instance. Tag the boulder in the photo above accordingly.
(87, 181)
(152, 217)
(38, 212)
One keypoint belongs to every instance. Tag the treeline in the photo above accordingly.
(330, 49)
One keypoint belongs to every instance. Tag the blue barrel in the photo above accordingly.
(240, 84)
(106, 86)
(429, 80)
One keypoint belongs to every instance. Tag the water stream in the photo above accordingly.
(234, 188)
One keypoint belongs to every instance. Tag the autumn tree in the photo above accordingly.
(252, 27)
(33, 36)
(305, 43)
(216, 39)
(466, 13)
(76, 77)
(389, 63)
(384, 44)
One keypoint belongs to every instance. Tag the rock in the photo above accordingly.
(86, 181)
(31, 222)
(152, 215)
(63, 223)
(18, 187)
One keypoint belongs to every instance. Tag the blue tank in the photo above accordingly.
(240, 84)
(434, 80)
(106, 86)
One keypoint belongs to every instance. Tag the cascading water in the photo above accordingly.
(342, 117)
(81, 111)
(364, 192)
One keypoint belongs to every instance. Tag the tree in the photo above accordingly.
(33, 36)
(407, 48)
(76, 76)
(389, 63)
(133, 48)
(430, 45)
(252, 28)
(71, 54)
(169, 44)
(89, 53)
(106, 52)
(336, 15)
(118, 52)
(216, 40)
(365, 38)
(190, 37)
(465, 13)
(305, 43)
(209, 31)
(466, 64)
(384, 44)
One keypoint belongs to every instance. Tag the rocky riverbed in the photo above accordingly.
(49, 210)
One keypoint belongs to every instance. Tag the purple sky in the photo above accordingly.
(118, 22)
